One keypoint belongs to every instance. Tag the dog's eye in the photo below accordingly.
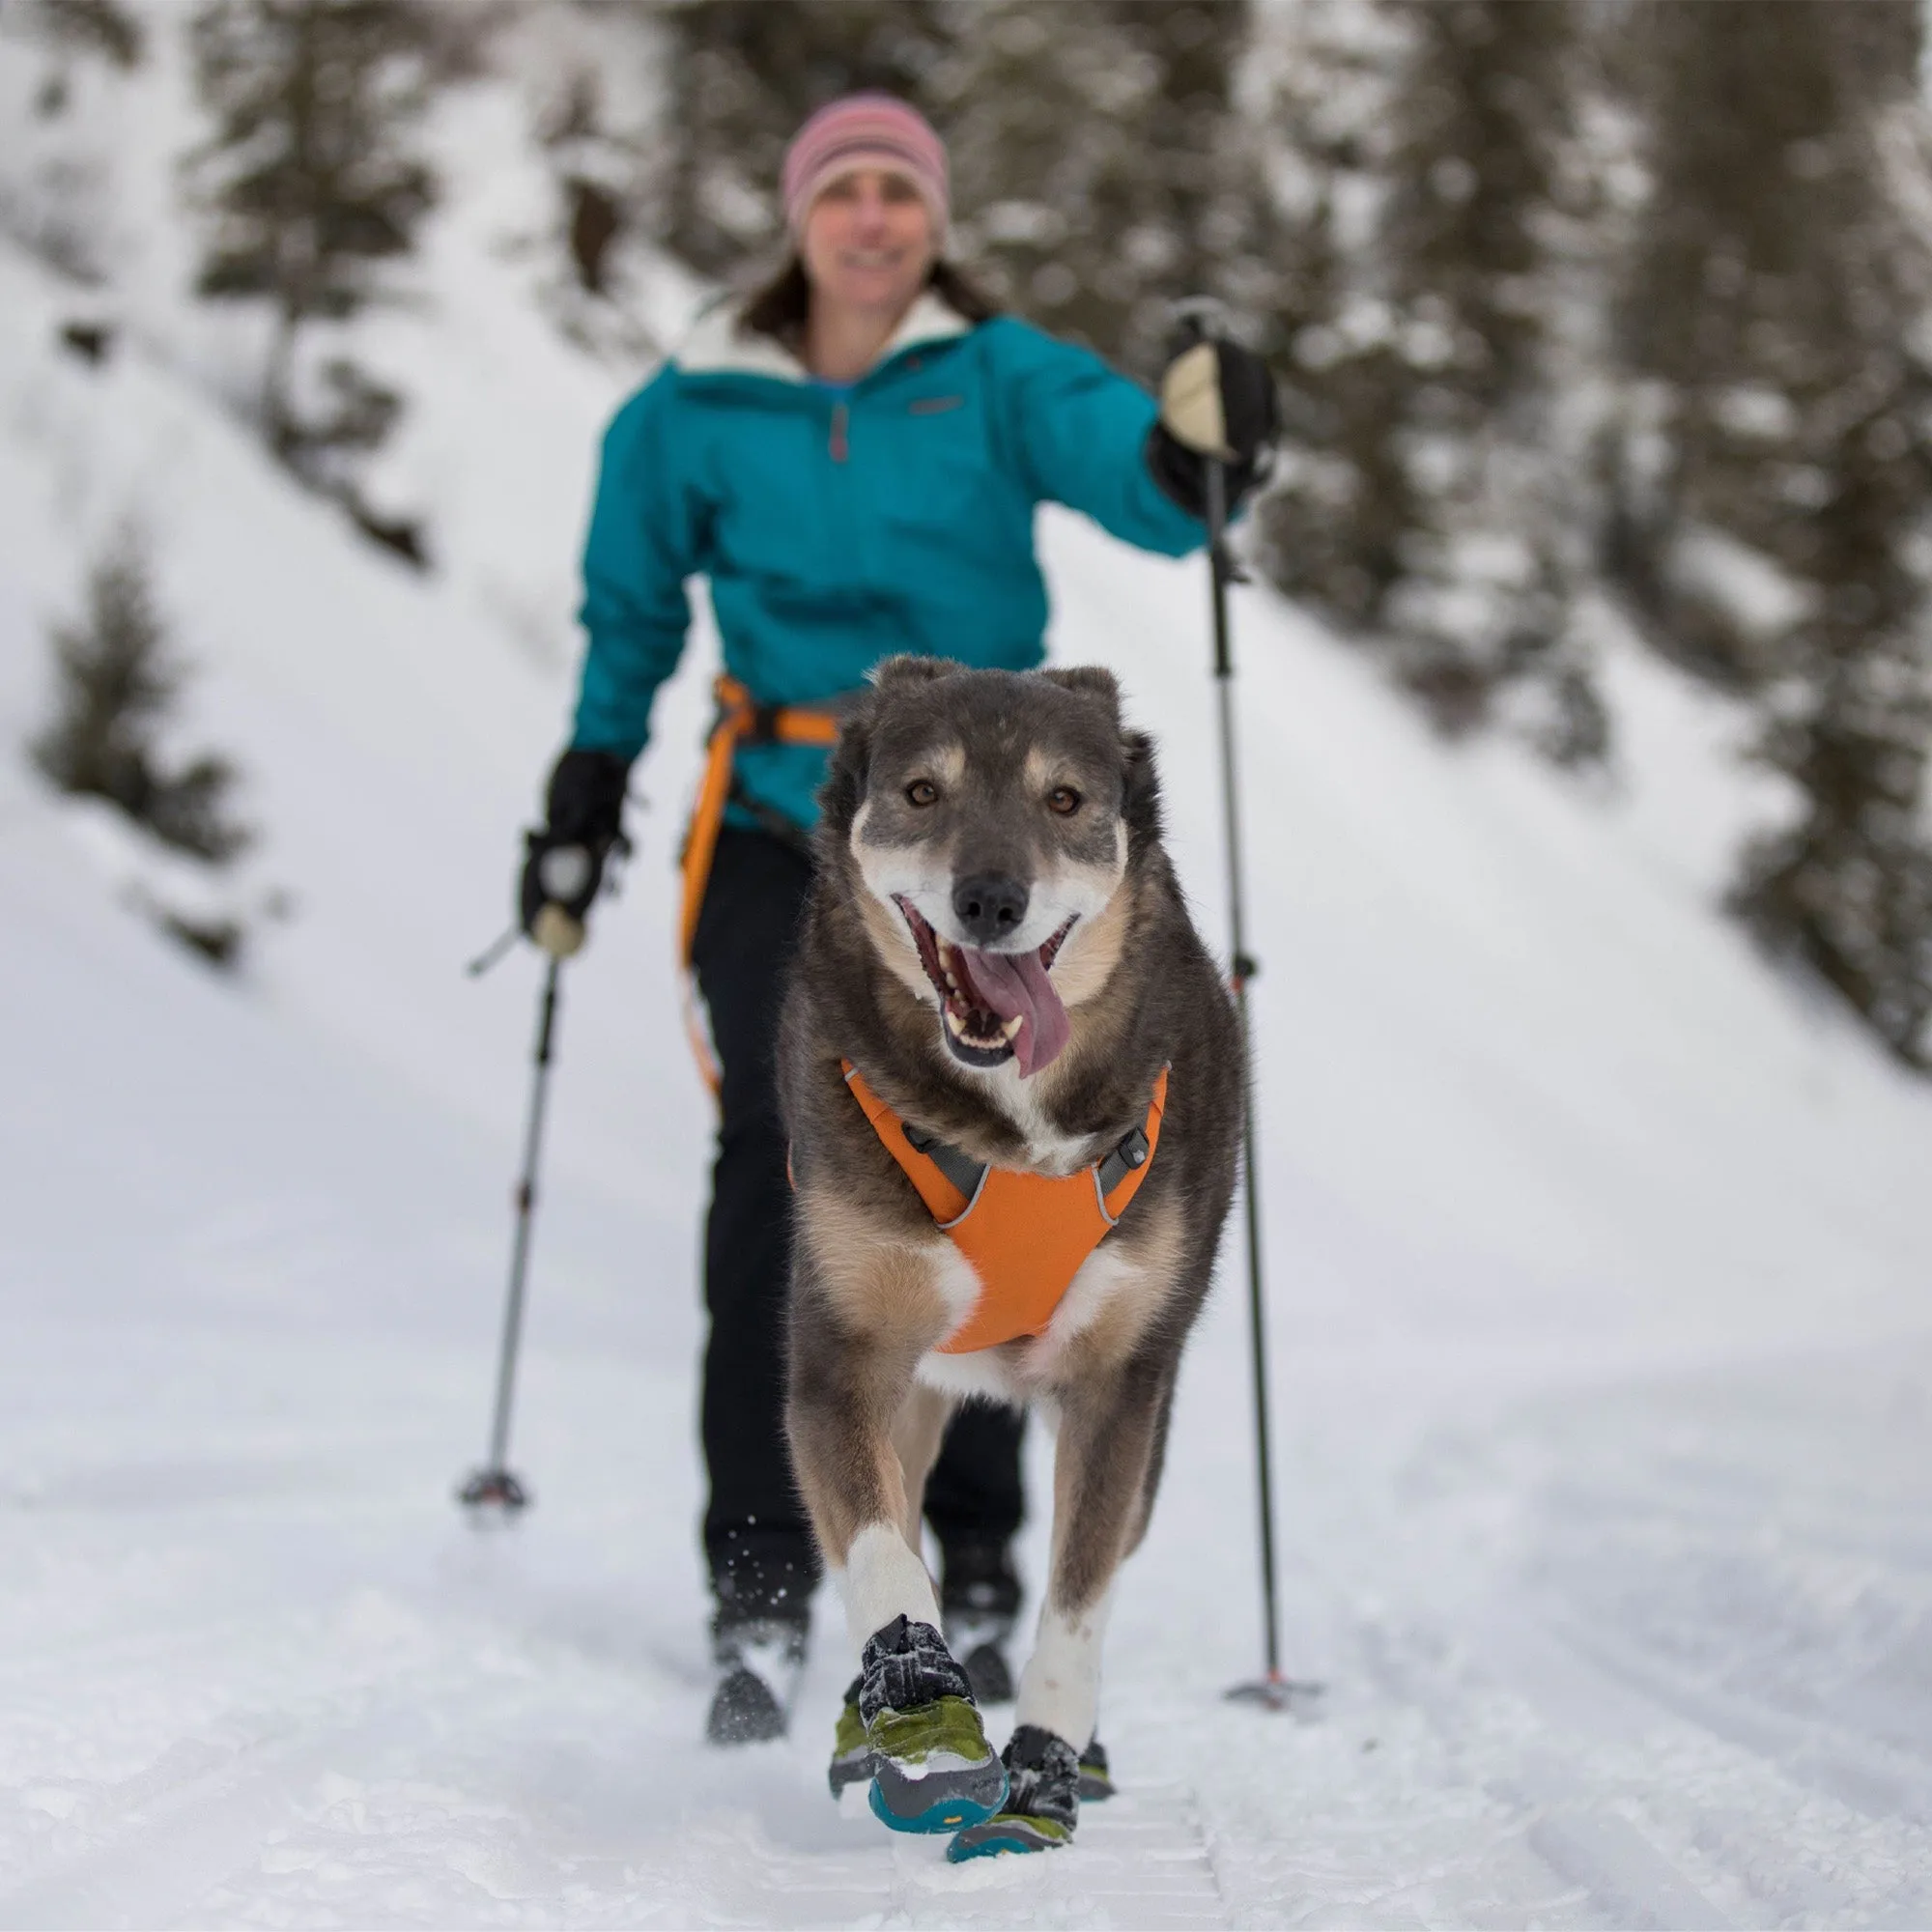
(922, 791)
(1064, 800)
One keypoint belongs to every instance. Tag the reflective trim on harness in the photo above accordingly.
(741, 721)
(1024, 1234)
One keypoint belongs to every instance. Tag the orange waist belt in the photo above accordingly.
(1024, 1234)
(740, 722)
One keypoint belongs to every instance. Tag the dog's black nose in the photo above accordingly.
(990, 906)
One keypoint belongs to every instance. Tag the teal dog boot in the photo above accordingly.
(932, 1767)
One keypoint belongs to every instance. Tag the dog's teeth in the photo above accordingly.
(1012, 1026)
(954, 1020)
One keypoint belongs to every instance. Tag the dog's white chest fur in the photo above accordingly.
(1049, 1151)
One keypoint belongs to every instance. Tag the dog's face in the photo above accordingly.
(990, 816)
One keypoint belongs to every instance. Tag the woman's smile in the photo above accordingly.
(867, 246)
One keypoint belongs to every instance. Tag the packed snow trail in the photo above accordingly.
(1603, 1360)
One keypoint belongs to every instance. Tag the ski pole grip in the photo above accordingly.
(557, 933)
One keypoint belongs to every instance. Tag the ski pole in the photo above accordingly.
(1274, 1692)
(494, 1482)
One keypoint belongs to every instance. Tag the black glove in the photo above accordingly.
(563, 863)
(1216, 400)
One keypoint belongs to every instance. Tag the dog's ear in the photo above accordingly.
(1140, 791)
(843, 791)
(897, 673)
(1101, 682)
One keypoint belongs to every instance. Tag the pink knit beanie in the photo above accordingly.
(864, 130)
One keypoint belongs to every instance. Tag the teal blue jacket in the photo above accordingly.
(838, 526)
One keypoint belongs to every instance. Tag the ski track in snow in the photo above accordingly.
(1601, 1356)
(1547, 1703)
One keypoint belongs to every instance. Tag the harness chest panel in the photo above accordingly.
(1025, 1235)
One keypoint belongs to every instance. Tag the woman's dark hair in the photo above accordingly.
(778, 307)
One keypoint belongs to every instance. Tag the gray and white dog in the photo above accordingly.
(996, 950)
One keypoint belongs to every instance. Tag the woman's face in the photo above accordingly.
(867, 243)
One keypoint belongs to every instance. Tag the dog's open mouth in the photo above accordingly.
(996, 1006)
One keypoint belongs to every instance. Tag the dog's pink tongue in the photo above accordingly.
(1017, 986)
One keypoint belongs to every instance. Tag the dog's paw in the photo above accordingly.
(1042, 1799)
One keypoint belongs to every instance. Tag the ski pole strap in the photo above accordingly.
(741, 721)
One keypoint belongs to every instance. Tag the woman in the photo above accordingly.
(852, 459)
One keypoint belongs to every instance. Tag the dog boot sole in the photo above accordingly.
(1009, 1832)
(932, 1767)
(929, 1810)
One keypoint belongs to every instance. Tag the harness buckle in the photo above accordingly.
(1131, 1153)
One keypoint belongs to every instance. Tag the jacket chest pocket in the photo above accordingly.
(939, 475)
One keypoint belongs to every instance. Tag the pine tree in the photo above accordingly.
(1848, 888)
(311, 181)
(1435, 495)
(105, 29)
(1102, 169)
(595, 64)
(57, 189)
(117, 681)
(1332, 526)
(1775, 312)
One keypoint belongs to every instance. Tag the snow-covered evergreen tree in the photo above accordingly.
(117, 679)
(1435, 487)
(101, 29)
(1776, 527)
(1103, 167)
(591, 73)
(57, 188)
(311, 179)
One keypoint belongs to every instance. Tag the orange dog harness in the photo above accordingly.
(1024, 1234)
(740, 722)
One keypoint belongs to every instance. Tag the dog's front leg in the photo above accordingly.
(916, 1438)
(859, 1324)
(1108, 1428)
(1109, 1424)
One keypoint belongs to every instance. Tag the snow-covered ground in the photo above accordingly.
(1599, 1260)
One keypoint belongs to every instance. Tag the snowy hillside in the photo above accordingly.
(1599, 1263)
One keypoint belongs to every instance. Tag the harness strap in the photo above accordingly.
(741, 721)
(962, 1169)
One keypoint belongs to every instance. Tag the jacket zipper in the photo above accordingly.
(839, 444)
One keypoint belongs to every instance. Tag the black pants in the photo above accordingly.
(756, 1537)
